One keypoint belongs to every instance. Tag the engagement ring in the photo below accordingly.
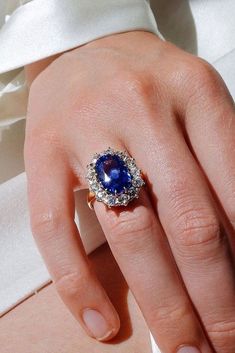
(113, 178)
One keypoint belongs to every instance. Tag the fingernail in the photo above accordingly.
(188, 349)
(97, 324)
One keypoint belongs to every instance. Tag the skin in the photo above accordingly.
(44, 325)
(174, 245)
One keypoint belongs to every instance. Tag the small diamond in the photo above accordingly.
(100, 194)
(109, 200)
(132, 192)
(91, 174)
(95, 187)
(125, 199)
(138, 182)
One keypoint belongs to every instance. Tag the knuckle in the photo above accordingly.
(203, 80)
(194, 223)
(197, 227)
(134, 84)
(72, 284)
(207, 85)
(205, 74)
(130, 229)
(202, 72)
(46, 223)
(172, 314)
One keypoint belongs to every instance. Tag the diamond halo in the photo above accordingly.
(102, 193)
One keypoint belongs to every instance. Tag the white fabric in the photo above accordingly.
(154, 346)
(21, 268)
(215, 24)
(203, 27)
(42, 28)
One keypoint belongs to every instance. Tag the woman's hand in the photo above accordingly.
(172, 112)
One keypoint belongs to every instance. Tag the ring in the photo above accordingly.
(113, 178)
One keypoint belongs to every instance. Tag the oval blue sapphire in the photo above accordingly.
(113, 173)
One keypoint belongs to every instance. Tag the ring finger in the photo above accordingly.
(141, 250)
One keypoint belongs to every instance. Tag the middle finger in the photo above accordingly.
(189, 217)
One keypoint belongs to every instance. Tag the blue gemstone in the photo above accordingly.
(113, 173)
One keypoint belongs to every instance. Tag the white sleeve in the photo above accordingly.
(41, 28)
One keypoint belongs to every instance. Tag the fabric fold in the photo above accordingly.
(42, 28)
(13, 100)
(22, 270)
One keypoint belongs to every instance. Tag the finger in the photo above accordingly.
(140, 248)
(142, 252)
(52, 218)
(211, 129)
(189, 218)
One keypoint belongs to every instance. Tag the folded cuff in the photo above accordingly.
(42, 28)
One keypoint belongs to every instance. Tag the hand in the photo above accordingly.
(172, 112)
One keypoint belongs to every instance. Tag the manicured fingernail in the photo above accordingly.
(97, 324)
(188, 349)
